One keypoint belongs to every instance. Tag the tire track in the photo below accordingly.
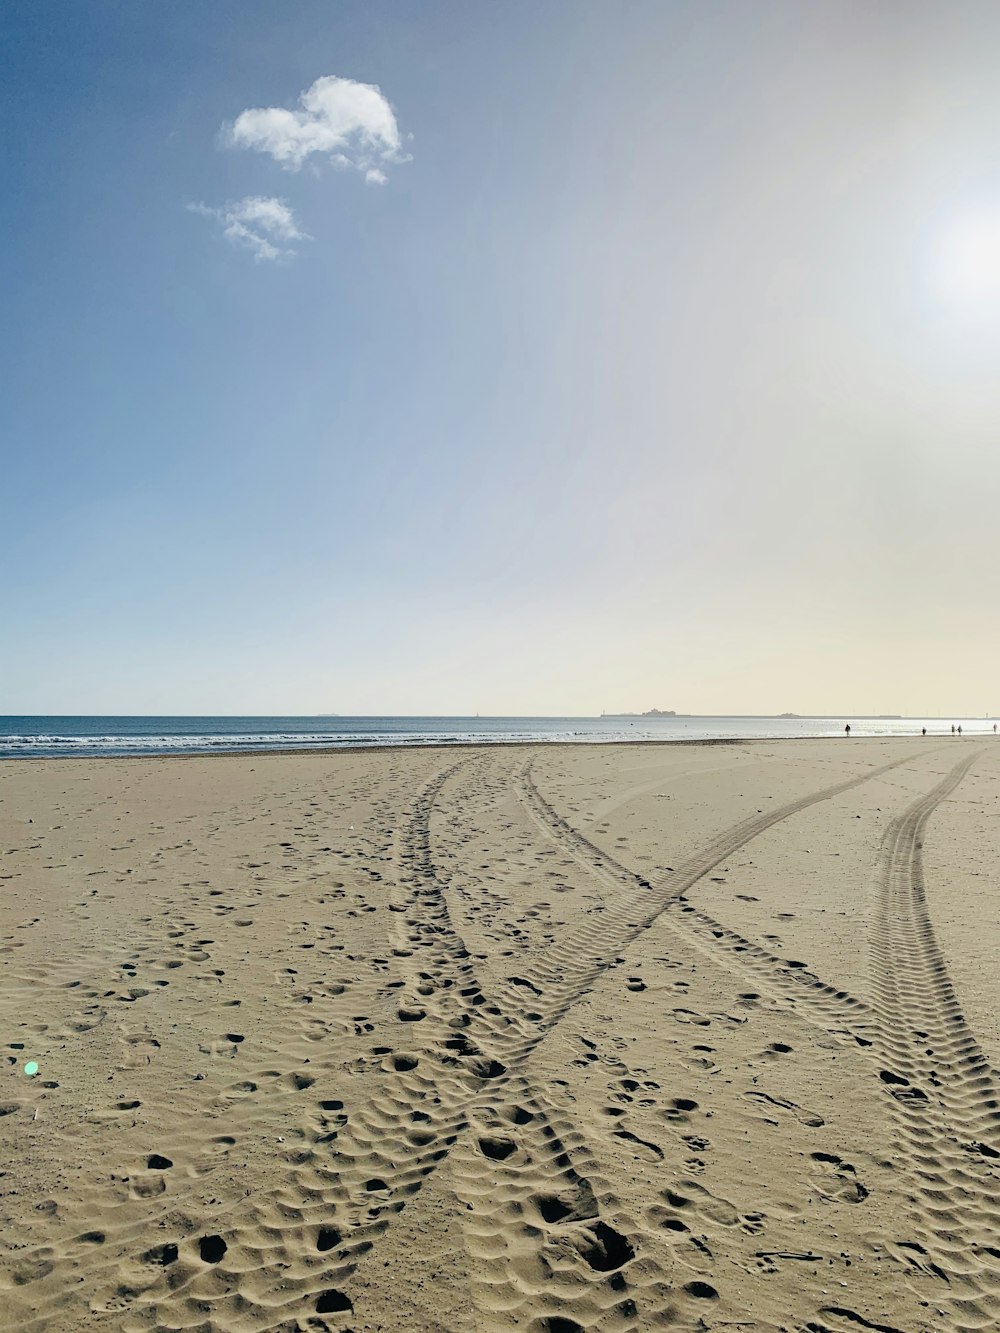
(347, 1177)
(945, 1096)
(835, 1010)
(351, 1174)
(472, 1052)
(550, 1242)
(574, 963)
(490, 1041)
(339, 1179)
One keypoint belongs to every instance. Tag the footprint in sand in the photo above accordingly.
(691, 1016)
(805, 1117)
(836, 1179)
(680, 1109)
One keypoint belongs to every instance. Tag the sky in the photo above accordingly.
(535, 358)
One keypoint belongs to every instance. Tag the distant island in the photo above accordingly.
(877, 717)
(669, 712)
(651, 712)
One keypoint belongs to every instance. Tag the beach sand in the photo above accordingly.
(536, 1038)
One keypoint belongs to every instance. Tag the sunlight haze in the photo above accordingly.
(448, 358)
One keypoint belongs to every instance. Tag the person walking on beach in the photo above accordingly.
(960, 728)
(923, 731)
(994, 728)
(847, 729)
(953, 728)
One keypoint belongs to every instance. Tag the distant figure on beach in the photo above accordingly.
(960, 728)
(923, 731)
(953, 728)
(847, 729)
(994, 728)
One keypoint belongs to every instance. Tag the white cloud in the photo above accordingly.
(260, 224)
(351, 123)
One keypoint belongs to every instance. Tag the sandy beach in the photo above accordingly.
(540, 1038)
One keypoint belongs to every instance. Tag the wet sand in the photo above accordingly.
(537, 1038)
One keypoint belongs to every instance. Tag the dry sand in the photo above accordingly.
(686, 1037)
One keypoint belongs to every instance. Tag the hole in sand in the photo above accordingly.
(162, 1254)
(212, 1248)
(552, 1209)
(497, 1149)
(486, 1068)
(332, 1301)
(610, 1249)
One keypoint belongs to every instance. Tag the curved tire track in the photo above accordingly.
(569, 968)
(945, 1096)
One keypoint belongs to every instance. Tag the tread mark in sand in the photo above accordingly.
(647, 902)
(945, 1096)
(348, 1184)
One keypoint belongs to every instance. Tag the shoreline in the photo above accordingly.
(499, 745)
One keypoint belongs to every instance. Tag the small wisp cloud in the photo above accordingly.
(351, 124)
(261, 224)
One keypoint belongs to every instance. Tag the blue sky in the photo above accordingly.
(629, 385)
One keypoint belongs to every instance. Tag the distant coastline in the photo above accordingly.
(650, 712)
(765, 717)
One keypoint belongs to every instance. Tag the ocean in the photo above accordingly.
(46, 737)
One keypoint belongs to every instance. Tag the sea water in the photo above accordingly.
(41, 737)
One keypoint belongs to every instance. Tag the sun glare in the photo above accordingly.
(968, 264)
